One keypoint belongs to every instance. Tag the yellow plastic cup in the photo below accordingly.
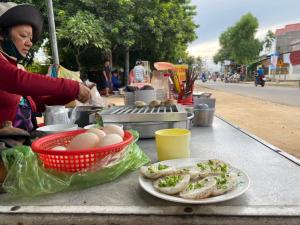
(172, 143)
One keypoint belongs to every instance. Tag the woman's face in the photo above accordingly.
(21, 36)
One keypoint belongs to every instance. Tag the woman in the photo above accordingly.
(22, 93)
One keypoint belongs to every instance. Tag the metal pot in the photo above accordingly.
(147, 129)
(84, 115)
(203, 115)
(56, 114)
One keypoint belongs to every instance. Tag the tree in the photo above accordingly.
(268, 41)
(151, 30)
(194, 60)
(81, 31)
(119, 24)
(166, 29)
(238, 43)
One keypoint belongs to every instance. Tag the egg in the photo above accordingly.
(110, 139)
(113, 129)
(63, 148)
(84, 141)
(98, 132)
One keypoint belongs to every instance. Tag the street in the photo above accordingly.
(283, 95)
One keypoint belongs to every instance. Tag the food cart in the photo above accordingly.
(272, 198)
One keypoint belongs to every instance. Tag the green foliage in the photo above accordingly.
(81, 30)
(152, 30)
(238, 43)
(268, 41)
(37, 68)
(193, 60)
(167, 28)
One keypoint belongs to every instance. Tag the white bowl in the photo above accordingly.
(56, 128)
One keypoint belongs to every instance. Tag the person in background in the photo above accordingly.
(260, 71)
(122, 76)
(115, 80)
(23, 94)
(203, 77)
(106, 78)
(139, 72)
(131, 76)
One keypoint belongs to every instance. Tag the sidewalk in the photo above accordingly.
(115, 99)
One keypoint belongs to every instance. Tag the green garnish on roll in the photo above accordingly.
(170, 181)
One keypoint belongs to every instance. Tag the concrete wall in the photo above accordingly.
(283, 45)
(295, 69)
(293, 74)
(283, 77)
(283, 42)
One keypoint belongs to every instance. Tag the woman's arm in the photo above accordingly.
(17, 81)
(42, 101)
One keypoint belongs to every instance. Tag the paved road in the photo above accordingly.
(282, 95)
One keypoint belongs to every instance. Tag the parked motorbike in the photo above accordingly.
(259, 80)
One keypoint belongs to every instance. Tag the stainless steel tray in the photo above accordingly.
(144, 114)
(147, 129)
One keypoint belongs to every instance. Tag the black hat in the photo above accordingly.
(12, 14)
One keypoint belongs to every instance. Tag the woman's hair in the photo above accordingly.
(4, 32)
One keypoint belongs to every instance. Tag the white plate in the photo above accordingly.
(243, 184)
(56, 128)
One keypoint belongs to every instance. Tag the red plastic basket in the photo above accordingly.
(73, 160)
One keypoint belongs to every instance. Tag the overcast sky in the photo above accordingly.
(215, 16)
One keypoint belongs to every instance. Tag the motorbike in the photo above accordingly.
(203, 79)
(260, 80)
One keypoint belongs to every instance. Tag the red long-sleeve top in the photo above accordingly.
(39, 89)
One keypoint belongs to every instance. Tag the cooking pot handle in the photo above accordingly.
(205, 94)
(190, 116)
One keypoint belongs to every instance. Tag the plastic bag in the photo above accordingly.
(27, 177)
(96, 100)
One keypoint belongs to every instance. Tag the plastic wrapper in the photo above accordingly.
(26, 176)
(96, 100)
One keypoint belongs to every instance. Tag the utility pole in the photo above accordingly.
(52, 33)
(127, 66)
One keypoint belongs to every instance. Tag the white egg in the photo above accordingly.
(84, 141)
(110, 139)
(98, 132)
(113, 129)
(63, 148)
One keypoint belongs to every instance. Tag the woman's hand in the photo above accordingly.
(84, 93)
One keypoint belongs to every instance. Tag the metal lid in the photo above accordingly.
(201, 107)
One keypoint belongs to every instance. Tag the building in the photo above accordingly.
(288, 50)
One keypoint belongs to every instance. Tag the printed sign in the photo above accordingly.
(181, 71)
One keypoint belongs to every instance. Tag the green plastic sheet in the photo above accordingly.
(27, 177)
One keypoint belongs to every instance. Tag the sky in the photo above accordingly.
(215, 16)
